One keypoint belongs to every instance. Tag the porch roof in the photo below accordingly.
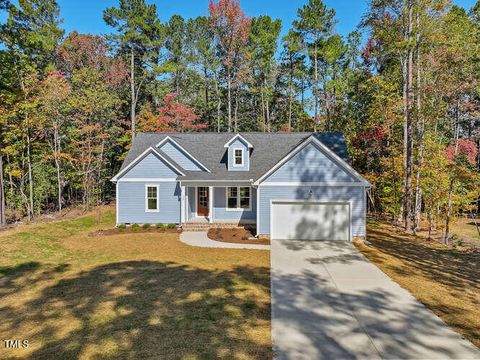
(215, 183)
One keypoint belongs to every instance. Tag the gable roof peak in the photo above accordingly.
(149, 150)
(238, 136)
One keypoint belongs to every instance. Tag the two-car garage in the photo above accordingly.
(310, 220)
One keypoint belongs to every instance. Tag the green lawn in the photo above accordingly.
(130, 295)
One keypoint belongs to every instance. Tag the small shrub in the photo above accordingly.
(121, 227)
(159, 226)
(249, 305)
(171, 226)
(135, 227)
(146, 226)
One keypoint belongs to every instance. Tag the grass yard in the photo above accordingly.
(129, 296)
(444, 279)
(466, 232)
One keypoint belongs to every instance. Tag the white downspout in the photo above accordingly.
(182, 205)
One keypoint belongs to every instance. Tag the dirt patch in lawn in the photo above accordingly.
(444, 279)
(236, 236)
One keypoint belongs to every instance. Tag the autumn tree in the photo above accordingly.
(93, 103)
(172, 116)
(314, 23)
(53, 114)
(202, 54)
(176, 55)
(138, 38)
(30, 35)
(231, 32)
(293, 65)
(263, 43)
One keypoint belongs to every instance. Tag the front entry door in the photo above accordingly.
(202, 201)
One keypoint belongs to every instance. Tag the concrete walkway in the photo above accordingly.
(200, 238)
(330, 302)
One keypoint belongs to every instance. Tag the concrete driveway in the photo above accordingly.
(330, 302)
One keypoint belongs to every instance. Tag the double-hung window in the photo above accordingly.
(151, 198)
(238, 198)
(238, 157)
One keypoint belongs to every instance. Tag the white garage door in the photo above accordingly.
(296, 220)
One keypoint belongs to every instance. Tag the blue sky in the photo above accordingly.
(86, 16)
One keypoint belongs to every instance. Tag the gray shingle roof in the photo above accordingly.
(208, 148)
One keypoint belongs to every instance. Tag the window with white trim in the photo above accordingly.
(238, 198)
(238, 157)
(151, 198)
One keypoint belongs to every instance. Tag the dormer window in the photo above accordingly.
(238, 157)
(238, 153)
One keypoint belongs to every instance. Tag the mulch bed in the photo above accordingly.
(129, 230)
(236, 236)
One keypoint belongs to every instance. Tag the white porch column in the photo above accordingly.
(187, 204)
(182, 205)
(210, 205)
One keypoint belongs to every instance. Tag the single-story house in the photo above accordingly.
(286, 185)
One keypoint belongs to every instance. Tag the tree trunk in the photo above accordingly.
(303, 92)
(205, 75)
(236, 113)
(30, 176)
(315, 91)
(430, 223)
(229, 100)
(446, 236)
(29, 202)
(333, 102)
(404, 162)
(395, 196)
(420, 130)
(264, 118)
(409, 126)
(326, 104)
(57, 149)
(132, 90)
(177, 85)
(290, 91)
(267, 109)
(2, 194)
(219, 104)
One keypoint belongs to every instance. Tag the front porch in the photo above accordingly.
(229, 205)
